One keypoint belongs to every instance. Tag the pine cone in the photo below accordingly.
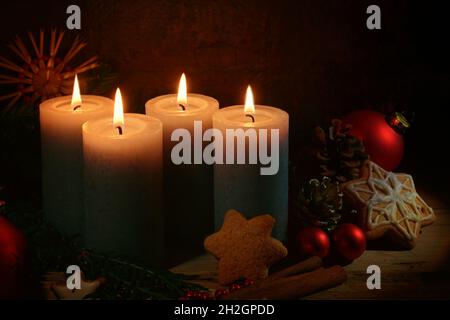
(319, 203)
(341, 155)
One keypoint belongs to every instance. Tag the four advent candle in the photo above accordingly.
(242, 186)
(123, 164)
(123, 182)
(62, 160)
(188, 188)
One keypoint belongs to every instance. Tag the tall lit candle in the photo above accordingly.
(123, 183)
(247, 187)
(188, 194)
(62, 162)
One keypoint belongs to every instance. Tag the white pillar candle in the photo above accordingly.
(62, 161)
(123, 182)
(188, 188)
(242, 186)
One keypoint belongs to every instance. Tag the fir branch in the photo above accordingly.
(126, 279)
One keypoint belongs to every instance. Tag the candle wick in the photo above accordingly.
(182, 107)
(77, 107)
(251, 117)
(120, 130)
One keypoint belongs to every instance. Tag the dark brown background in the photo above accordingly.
(315, 59)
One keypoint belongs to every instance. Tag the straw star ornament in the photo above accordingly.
(40, 74)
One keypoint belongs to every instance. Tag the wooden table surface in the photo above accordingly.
(421, 273)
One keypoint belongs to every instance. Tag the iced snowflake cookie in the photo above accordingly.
(389, 205)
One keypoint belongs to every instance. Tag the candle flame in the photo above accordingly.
(249, 103)
(76, 96)
(182, 91)
(118, 120)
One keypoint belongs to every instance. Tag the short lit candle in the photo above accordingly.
(123, 182)
(62, 161)
(242, 186)
(188, 194)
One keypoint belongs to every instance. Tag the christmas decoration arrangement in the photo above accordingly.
(357, 200)
(353, 202)
(245, 250)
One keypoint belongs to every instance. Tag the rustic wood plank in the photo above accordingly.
(421, 273)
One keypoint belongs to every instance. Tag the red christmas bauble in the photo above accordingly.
(349, 241)
(384, 145)
(12, 248)
(312, 241)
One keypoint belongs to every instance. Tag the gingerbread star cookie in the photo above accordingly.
(389, 204)
(244, 248)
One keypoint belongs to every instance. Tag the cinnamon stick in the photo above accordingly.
(304, 266)
(293, 287)
(307, 265)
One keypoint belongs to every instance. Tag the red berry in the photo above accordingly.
(221, 292)
(248, 282)
(182, 298)
(235, 287)
(205, 295)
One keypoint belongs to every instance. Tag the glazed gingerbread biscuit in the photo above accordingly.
(389, 205)
(244, 248)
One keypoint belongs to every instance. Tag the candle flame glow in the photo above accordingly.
(76, 96)
(118, 119)
(249, 103)
(182, 91)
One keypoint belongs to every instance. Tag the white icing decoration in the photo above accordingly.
(389, 197)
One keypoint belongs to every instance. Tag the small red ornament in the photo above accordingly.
(349, 241)
(196, 295)
(248, 282)
(312, 241)
(12, 254)
(220, 293)
(383, 144)
(234, 287)
(206, 295)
